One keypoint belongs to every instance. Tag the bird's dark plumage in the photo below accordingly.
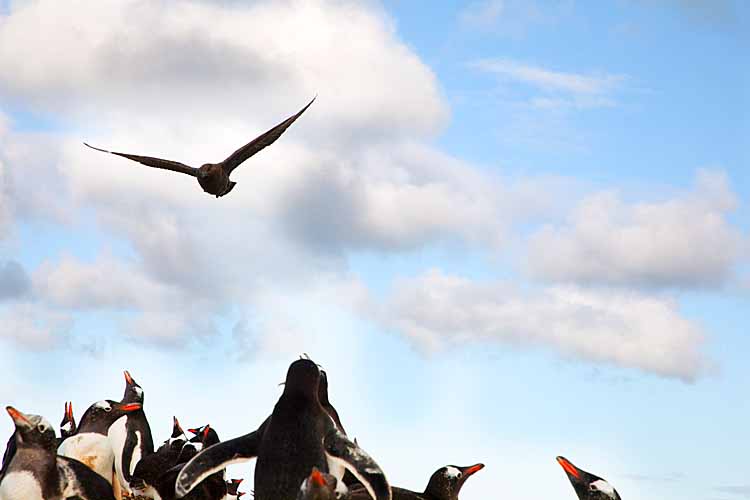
(214, 177)
(444, 484)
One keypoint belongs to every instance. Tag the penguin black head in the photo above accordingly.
(104, 413)
(133, 391)
(319, 486)
(303, 377)
(205, 435)
(447, 481)
(68, 424)
(32, 431)
(233, 486)
(587, 485)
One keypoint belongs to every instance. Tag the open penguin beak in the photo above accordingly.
(69, 411)
(19, 418)
(127, 408)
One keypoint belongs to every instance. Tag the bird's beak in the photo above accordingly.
(20, 419)
(317, 478)
(569, 468)
(128, 378)
(69, 411)
(131, 407)
(468, 471)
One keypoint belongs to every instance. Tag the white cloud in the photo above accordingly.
(626, 329)
(33, 326)
(558, 88)
(686, 241)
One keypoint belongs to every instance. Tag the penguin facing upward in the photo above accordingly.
(149, 469)
(37, 473)
(444, 484)
(176, 440)
(130, 435)
(298, 436)
(586, 485)
(68, 424)
(90, 443)
(322, 486)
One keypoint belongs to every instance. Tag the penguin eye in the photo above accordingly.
(108, 409)
(593, 487)
(41, 427)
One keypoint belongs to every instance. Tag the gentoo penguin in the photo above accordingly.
(327, 406)
(68, 424)
(298, 436)
(444, 484)
(36, 472)
(130, 435)
(587, 485)
(176, 440)
(214, 177)
(322, 486)
(90, 444)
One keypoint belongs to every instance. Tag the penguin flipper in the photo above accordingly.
(340, 449)
(215, 458)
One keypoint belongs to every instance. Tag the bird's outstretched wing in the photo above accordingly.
(154, 162)
(266, 139)
(340, 450)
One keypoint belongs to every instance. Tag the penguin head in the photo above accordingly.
(133, 391)
(68, 424)
(587, 485)
(233, 486)
(204, 436)
(104, 413)
(32, 430)
(177, 439)
(320, 486)
(447, 481)
(303, 377)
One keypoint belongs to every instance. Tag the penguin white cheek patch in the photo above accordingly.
(604, 487)
(452, 472)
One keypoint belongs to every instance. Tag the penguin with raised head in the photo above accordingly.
(130, 435)
(68, 424)
(90, 444)
(298, 436)
(36, 472)
(233, 492)
(444, 484)
(586, 485)
(176, 440)
(322, 486)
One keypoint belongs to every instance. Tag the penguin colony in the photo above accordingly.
(301, 449)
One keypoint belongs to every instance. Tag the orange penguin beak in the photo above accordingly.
(468, 471)
(569, 468)
(128, 378)
(317, 478)
(131, 407)
(17, 416)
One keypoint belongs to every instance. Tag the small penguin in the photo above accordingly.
(36, 473)
(90, 444)
(586, 485)
(444, 484)
(176, 440)
(68, 424)
(233, 492)
(322, 486)
(130, 435)
(298, 436)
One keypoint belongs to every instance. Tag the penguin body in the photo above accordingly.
(322, 486)
(130, 436)
(298, 436)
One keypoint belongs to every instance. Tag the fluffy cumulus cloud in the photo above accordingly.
(626, 329)
(685, 241)
(33, 326)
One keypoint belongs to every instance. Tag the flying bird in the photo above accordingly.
(214, 177)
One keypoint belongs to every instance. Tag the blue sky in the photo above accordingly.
(508, 230)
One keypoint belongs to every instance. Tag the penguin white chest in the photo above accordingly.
(118, 435)
(21, 485)
(92, 449)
